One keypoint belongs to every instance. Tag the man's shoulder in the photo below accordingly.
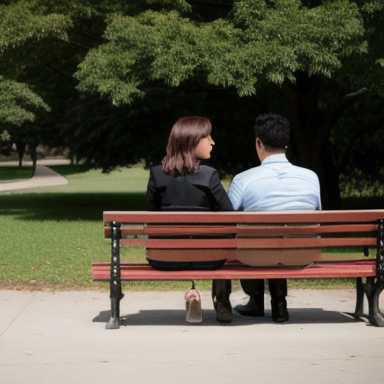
(251, 173)
(305, 171)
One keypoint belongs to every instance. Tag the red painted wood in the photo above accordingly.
(180, 243)
(248, 230)
(132, 272)
(311, 242)
(243, 217)
(246, 243)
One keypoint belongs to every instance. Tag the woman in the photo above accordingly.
(180, 183)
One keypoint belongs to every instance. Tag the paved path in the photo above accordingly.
(43, 177)
(60, 337)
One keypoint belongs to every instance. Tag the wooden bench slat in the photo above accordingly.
(245, 243)
(243, 217)
(181, 243)
(312, 242)
(242, 230)
(342, 256)
(137, 272)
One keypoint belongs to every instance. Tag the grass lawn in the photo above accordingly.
(49, 236)
(15, 173)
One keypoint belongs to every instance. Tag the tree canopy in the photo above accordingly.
(272, 40)
(116, 75)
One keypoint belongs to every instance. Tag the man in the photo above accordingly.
(275, 185)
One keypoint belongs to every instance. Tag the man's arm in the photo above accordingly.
(235, 194)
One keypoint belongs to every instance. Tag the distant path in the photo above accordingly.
(43, 177)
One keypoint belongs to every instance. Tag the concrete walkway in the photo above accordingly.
(43, 177)
(60, 337)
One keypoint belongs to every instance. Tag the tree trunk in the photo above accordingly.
(20, 147)
(310, 130)
(33, 157)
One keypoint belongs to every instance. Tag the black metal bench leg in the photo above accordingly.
(359, 310)
(371, 290)
(115, 280)
(113, 322)
(375, 317)
(373, 286)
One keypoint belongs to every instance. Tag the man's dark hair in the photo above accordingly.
(273, 130)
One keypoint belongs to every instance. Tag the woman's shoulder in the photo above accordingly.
(156, 170)
(204, 176)
(157, 175)
(206, 170)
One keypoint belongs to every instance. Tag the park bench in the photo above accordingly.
(262, 245)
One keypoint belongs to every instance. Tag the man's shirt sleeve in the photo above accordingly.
(235, 194)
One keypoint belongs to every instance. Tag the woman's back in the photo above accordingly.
(190, 192)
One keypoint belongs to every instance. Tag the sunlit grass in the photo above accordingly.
(49, 236)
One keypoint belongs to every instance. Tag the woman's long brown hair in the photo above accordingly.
(183, 139)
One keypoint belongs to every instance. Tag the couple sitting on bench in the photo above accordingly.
(181, 183)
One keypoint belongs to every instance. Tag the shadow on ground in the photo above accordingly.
(164, 317)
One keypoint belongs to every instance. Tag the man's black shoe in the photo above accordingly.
(251, 308)
(279, 310)
(223, 311)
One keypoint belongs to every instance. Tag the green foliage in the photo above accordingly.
(41, 44)
(372, 7)
(157, 60)
(260, 41)
(18, 102)
(5, 143)
(294, 38)
(19, 24)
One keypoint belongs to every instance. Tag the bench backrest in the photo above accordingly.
(293, 238)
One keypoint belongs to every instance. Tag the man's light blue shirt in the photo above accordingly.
(276, 185)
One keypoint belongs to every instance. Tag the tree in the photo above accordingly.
(41, 44)
(20, 26)
(315, 54)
